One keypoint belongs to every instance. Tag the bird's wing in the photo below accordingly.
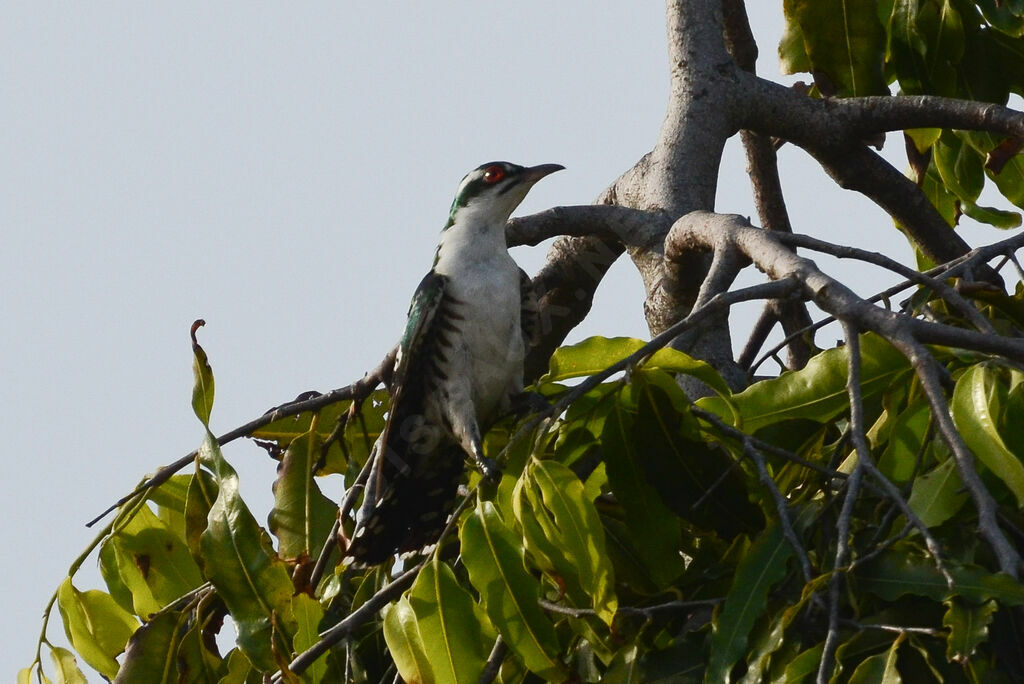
(416, 343)
(422, 315)
(407, 497)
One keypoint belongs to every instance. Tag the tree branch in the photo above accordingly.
(357, 391)
(767, 251)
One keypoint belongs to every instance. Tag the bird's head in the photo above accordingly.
(491, 192)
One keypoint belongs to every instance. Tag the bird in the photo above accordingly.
(458, 368)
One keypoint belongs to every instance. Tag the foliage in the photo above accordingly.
(645, 530)
(636, 535)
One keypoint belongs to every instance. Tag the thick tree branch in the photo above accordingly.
(766, 249)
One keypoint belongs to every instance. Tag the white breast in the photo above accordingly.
(485, 280)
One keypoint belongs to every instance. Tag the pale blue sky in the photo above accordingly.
(281, 171)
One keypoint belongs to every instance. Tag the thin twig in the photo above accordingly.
(359, 388)
(353, 621)
(647, 612)
(494, 661)
(859, 440)
(773, 290)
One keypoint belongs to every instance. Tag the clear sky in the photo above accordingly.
(283, 171)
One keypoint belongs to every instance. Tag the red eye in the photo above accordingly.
(493, 174)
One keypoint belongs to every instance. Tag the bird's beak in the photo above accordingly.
(532, 174)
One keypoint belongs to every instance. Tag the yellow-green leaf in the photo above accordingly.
(96, 626)
(493, 555)
(975, 406)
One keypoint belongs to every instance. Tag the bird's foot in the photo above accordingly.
(488, 467)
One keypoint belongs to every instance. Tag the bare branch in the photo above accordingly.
(906, 334)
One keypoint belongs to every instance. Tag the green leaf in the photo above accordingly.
(997, 218)
(1010, 180)
(195, 661)
(240, 670)
(239, 560)
(595, 354)
(96, 626)
(202, 492)
(302, 516)
(1001, 15)
(761, 568)
(152, 653)
(654, 529)
(681, 467)
(170, 500)
(844, 41)
(152, 562)
(960, 167)
(817, 391)
(944, 201)
(308, 614)
(905, 439)
(804, 665)
(356, 441)
(899, 571)
(975, 406)
(937, 495)
(203, 387)
(456, 636)
(793, 57)
(494, 558)
(571, 525)
(402, 634)
(879, 668)
(968, 627)
(66, 666)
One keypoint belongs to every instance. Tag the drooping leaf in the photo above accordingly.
(152, 562)
(302, 516)
(457, 637)
(197, 658)
(844, 41)
(681, 467)
(1010, 179)
(96, 626)
(494, 558)
(553, 497)
(202, 492)
(654, 528)
(203, 387)
(308, 614)
(239, 559)
(152, 653)
(960, 167)
(975, 406)
(402, 633)
(66, 667)
(763, 566)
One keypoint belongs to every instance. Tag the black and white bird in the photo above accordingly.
(459, 366)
